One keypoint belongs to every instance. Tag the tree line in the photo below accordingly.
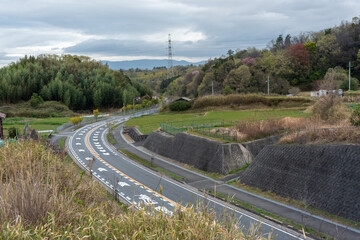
(77, 81)
(302, 61)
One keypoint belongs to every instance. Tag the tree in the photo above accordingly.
(294, 91)
(332, 79)
(96, 113)
(76, 120)
(354, 84)
(239, 80)
(35, 100)
(300, 56)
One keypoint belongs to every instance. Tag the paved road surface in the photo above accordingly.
(140, 186)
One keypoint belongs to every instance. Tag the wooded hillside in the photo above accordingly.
(77, 81)
(289, 61)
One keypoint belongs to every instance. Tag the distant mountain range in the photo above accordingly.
(146, 64)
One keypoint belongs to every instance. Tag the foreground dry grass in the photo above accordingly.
(43, 196)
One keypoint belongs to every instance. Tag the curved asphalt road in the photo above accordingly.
(141, 187)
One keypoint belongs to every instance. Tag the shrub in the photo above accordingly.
(355, 116)
(96, 113)
(35, 100)
(179, 106)
(244, 99)
(13, 132)
(330, 108)
(294, 91)
(76, 120)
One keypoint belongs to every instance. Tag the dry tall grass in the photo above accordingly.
(254, 130)
(45, 197)
(330, 108)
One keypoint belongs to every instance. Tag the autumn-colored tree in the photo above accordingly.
(300, 56)
(96, 113)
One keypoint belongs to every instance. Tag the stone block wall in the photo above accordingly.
(326, 177)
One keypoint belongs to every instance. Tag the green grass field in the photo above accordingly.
(147, 124)
(36, 123)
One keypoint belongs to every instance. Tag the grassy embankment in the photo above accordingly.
(146, 124)
(46, 197)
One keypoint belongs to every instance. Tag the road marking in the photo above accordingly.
(81, 150)
(78, 138)
(123, 184)
(146, 199)
(107, 154)
(78, 144)
(118, 171)
(164, 210)
(102, 169)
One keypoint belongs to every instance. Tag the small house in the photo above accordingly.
(2, 117)
(185, 99)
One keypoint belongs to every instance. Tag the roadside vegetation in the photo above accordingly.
(46, 196)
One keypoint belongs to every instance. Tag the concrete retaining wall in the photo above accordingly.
(135, 134)
(203, 153)
(325, 177)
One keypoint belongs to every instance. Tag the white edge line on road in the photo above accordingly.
(197, 194)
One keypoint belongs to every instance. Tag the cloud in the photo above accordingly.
(139, 28)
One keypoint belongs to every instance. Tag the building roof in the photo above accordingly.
(2, 115)
(183, 99)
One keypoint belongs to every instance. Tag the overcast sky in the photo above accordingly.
(138, 29)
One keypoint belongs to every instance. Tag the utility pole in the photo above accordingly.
(268, 85)
(212, 87)
(170, 73)
(349, 73)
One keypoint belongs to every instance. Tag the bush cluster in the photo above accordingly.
(355, 116)
(179, 106)
(244, 99)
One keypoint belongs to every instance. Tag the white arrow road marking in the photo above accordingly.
(102, 169)
(146, 199)
(103, 151)
(123, 184)
(88, 158)
(100, 148)
(107, 154)
(78, 143)
(96, 142)
(81, 150)
(164, 210)
(78, 138)
(80, 134)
